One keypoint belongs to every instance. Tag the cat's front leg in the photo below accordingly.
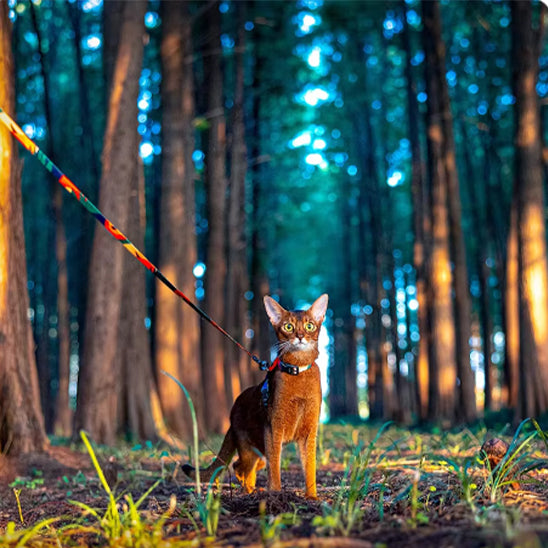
(307, 449)
(273, 449)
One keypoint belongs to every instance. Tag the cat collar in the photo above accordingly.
(289, 369)
(285, 368)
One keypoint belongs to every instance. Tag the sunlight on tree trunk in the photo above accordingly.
(443, 366)
(511, 304)
(177, 329)
(135, 419)
(98, 393)
(21, 420)
(532, 262)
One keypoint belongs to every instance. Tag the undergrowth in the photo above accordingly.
(381, 477)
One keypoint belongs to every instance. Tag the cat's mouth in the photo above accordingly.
(301, 344)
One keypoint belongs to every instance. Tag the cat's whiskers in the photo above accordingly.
(282, 347)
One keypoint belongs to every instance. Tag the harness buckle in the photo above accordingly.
(292, 369)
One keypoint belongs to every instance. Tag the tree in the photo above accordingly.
(461, 304)
(100, 372)
(531, 229)
(61, 411)
(236, 362)
(134, 414)
(421, 226)
(21, 421)
(443, 367)
(177, 327)
(213, 347)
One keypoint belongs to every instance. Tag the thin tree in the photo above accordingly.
(421, 227)
(21, 420)
(461, 304)
(216, 184)
(237, 282)
(443, 366)
(531, 233)
(97, 388)
(61, 411)
(177, 327)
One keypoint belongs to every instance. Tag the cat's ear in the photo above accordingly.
(274, 310)
(319, 308)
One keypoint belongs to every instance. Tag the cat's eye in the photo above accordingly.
(289, 327)
(309, 326)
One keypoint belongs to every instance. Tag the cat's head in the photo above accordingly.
(297, 330)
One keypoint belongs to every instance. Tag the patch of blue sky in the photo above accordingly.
(152, 20)
(303, 139)
(395, 178)
(316, 159)
(92, 42)
(90, 5)
(314, 96)
(306, 22)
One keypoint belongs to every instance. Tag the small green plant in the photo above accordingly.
(208, 506)
(17, 492)
(346, 510)
(418, 517)
(272, 526)
(32, 482)
(39, 534)
(121, 524)
(516, 462)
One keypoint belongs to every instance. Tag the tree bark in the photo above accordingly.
(135, 418)
(61, 410)
(177, 327)
(421, 228)
(21, 421)
(100, 372)
(532, 261)
(213, 343)
(237, 366)
(511, 308)
(443, 366)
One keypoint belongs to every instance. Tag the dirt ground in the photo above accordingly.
(47, 483)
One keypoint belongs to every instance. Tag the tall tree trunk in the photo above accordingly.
(177, 327)
(21, 421)
(213, 347)
(61, 408)
(421, 229)
(462, 305)
(100, 372)
(135, 418)
(236, 362)
(260, 285)
(443, 366)
(532, 261)
(481, 254)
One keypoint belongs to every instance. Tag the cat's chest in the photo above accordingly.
(296, 402)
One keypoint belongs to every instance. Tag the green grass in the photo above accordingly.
(386, 477)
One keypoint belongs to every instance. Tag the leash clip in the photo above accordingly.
(263, 364)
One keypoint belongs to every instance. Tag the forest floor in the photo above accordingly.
(390, 487)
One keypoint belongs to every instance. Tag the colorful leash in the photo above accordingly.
(71, 188)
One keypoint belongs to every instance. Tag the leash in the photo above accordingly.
(72, 189)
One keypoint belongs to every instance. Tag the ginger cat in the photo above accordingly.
(283, 408)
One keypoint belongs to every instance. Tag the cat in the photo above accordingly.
(285, 407)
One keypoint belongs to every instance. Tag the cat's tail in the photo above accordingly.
(228, 448)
